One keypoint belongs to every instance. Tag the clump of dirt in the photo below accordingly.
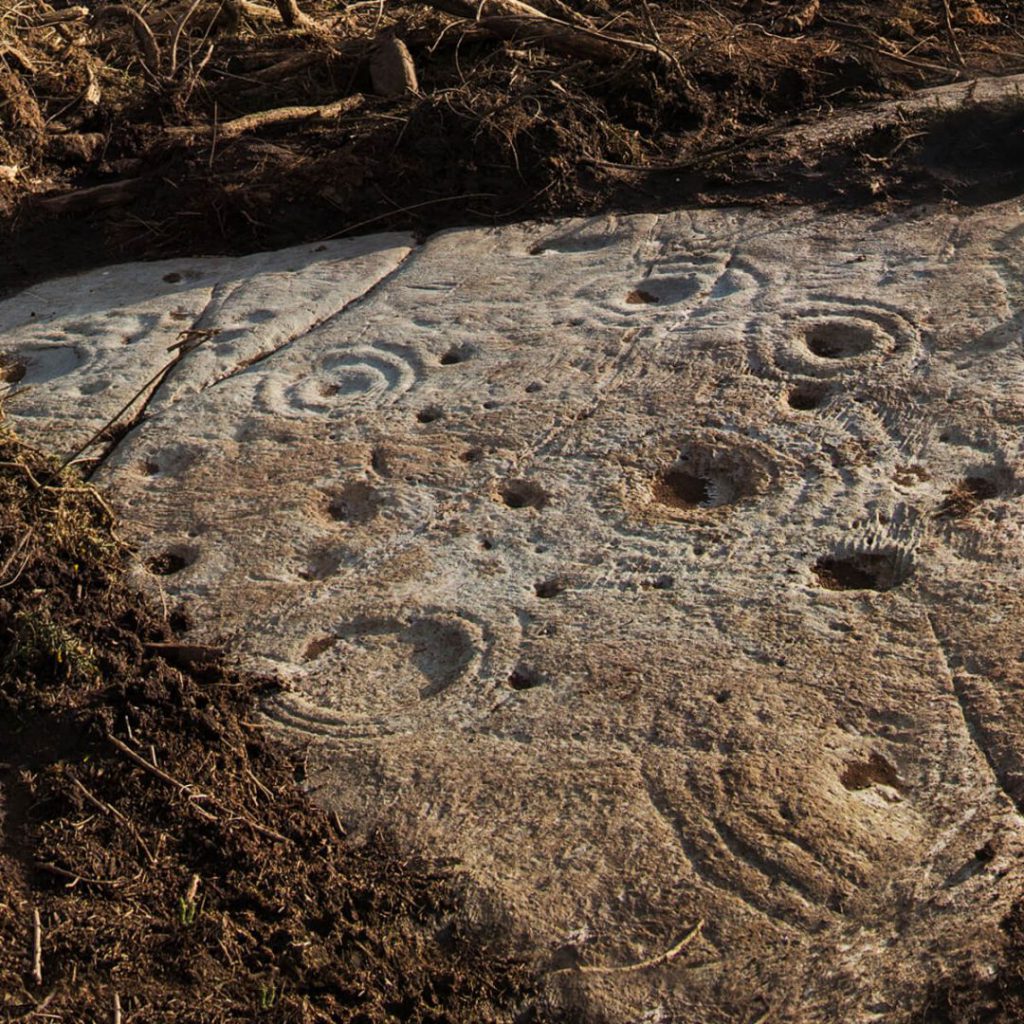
(198, 127)
(157, 856)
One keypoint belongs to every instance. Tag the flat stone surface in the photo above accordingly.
(660, 569)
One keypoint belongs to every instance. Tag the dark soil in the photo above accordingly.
(173, 861)
(499, 129)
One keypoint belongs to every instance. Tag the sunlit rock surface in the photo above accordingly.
(660, 569)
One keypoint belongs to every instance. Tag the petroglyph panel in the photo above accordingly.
(661, 569)
(119, 327)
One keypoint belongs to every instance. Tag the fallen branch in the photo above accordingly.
(283, 68)
(292, 16)
(113, 193)
(11, 54)
(61, 17)
(187, 655)
(520, 22)
(258, 12)
(279, 115)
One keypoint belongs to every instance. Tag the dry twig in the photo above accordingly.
(104, 807)
(951, 34)
(654, 961)
(277, 116)
(77, 876)
(37, 947)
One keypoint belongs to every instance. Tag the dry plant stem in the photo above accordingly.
(37, 947)
(20, 468)
(117, 1008)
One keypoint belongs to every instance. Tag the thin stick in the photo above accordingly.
(170, 780)
(117, 1008)
(259, 785)
(106, 808)
(76, 877)
(213, 139)
(654, 961)
(263, 830)
(143, 34)
(176, 40)
(951, 35)
(191, 339)
(39, 1007)
(407, 209)
(58, 17)
(37, 947)
(156, 379)
(22, 541)
(163, 776)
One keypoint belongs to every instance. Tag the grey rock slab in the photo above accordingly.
(80, 348)
(661, 569)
